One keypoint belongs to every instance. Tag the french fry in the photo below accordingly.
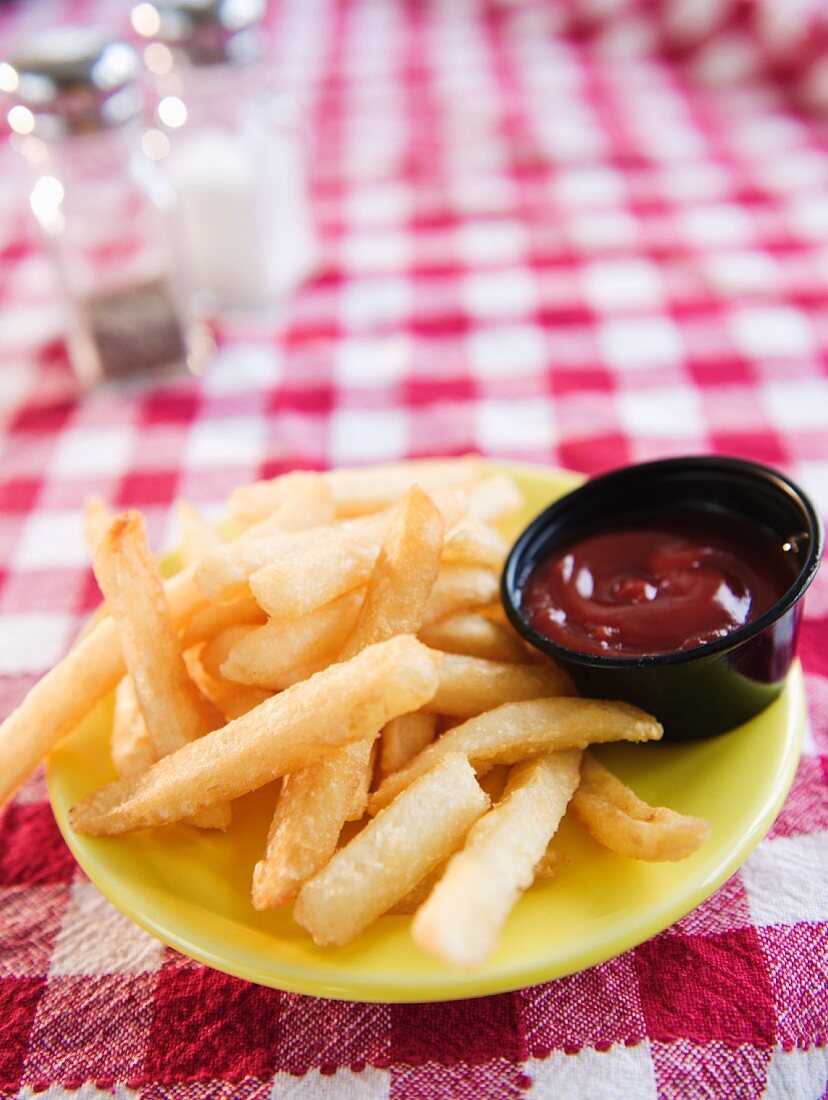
(392, 853)
(459, 588)
(312, 808)
(471, 634)
(224, 575)
(403, 738)
(309, 503)
(550, 863)
(198, 537)
(475, 543)
(315, 803)
(493, 781)
(472, 685)
(464, 914)
(515, 731)
(407, 906)
(216, 617)
(358, 491)
(66, 694)
(270, 655)
(132, 747)
(97, 515)
(233, 700)
(495, 499)
(174, 709)
(625, 824)
(345, 703)
(96, 518)
(405, 574)
(216, 650)
(340, 555)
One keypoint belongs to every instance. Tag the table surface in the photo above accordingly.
(550, 234)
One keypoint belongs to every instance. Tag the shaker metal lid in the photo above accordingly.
(70, 80)
(206, 32)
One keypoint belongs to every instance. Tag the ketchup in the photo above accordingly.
(657, 586)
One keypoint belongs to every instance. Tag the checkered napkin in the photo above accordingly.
(584, 233)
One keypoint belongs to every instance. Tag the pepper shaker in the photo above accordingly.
(76, 118)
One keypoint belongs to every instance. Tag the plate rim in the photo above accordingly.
(456, 985)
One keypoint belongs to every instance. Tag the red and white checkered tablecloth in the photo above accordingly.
(585, 233)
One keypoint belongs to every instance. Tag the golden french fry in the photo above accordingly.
(407, 906)
(225, 574)
(406, 570)
(312, 808)
(174, 709)
(459, 588)
(472, 685)
(66, 694)
(345, 703)
(550, 863)
(464, 914)
(493, 780)
(216, 650)
(625, 824)
(309, 503)
(216, 617)
(392, 853)
(233, 700)
(495, 498)
(270, 655)
(475, 543)
(403, 738)
(315, 803)
(471, 634)
(198, 537)
(358, 491)
(515, 731)
(97, 516)
(132, 747)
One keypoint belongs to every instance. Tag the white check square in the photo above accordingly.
(95, 938)
(502, 351)
(765, 331)
(622, 284)
(633, 343)
(368, 435)
(33, 642)
(92, 452)
(51, 540)
(499, 293)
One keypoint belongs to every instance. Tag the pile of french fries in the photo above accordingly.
(343, 643)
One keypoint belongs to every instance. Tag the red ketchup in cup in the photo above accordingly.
(658, 586)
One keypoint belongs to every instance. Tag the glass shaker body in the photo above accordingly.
(112, 251)
(235, 161)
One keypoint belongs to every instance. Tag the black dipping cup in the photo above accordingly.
(700, 692)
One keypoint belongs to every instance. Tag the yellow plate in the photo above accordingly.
(191, 889)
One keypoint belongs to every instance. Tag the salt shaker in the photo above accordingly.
(76, 118)
(231, 150)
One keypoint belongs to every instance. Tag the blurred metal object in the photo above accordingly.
(76, 117)
(71, 80)
(231, 149)
(205, 32)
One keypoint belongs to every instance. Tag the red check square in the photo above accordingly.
(206, 1018)
(19, 998)
(458, 1031)
(707, 987)
(32, 851)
